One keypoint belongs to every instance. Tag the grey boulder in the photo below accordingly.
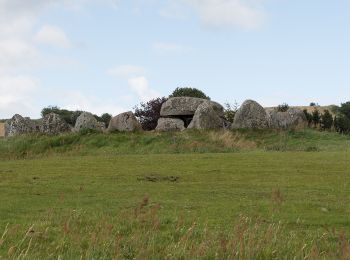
(88, 122)
(53, 124)
(186, 106)
(170, 125)
(251, 115)
(19, 125)
(293, 118)
(206, 117)
(125, 122)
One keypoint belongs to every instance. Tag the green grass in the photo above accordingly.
(241, 195)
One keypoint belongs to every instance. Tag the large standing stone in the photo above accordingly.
(19, 125)
(206, 118)
(87, 121)
(125, 122)
(53, 124)
(251, 115)
(170, 125)
(293, 118)
(186, 106)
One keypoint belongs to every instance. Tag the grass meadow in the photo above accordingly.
(189, 195)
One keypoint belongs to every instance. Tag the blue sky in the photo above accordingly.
(109, 55)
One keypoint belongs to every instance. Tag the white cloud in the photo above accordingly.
(17, 95)
(245, 14)
(141, 87)
(126, 71)
(76, 100)
(166, 47)
(52, 35)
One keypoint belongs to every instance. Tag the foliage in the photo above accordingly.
(105, 118)
(69, 116)
(283, 107)
(148, 113)
(230, 111)
(308, 117)
(345, 109)
(189, 92)
(314, 104)
(326, 120)
(316, 117)
(342, 124)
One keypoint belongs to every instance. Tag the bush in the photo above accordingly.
(342, 124)
(105, 118)
(69, 116)
(345, 109)
(189, 92)
(283, 108)
(316, 117)
(308, 117)
(149, 113)
(230, 111)
(326, 120)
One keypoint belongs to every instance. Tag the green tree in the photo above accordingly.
(283, 107)
(316, 117)
(230, 111)
(189, 92)
(345, 109)
(308, 117)
(326, 120)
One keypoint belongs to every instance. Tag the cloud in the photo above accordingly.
(141, 87)
(17, 95)
(76, 100)
(126, 71)
(52, 35)
(166, 47)
(229, 13)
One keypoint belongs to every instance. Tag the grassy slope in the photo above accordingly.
(307, 191)
(160, 143)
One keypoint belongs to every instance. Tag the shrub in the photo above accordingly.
(326, 120)
(105, 118)
(283, 108)
(314, 104)
(308, 117)
(149, 113)
(189, 92)
(69, 116)
(345, 109)
(316, 117)
(230, 111)
(342, 124)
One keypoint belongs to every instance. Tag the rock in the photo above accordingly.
(125, 122)
(19, 125)
(87, 121)
(186, 106)
(293, 118)
(170, 125)
(206, 117)
(53, 124)
(251, 115)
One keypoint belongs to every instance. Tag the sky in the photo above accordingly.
(110, 55)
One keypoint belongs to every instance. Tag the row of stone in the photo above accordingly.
(177, 114)
(53, 124)
(194, 113)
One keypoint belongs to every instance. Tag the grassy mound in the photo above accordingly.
(87, 143)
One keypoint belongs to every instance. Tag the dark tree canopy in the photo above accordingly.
(189, 92)
(326, 120)
(283, 107)
(148, 113)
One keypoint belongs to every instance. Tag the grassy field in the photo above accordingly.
(214, 195)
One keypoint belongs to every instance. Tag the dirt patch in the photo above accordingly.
(2, 129)
(158, 178)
